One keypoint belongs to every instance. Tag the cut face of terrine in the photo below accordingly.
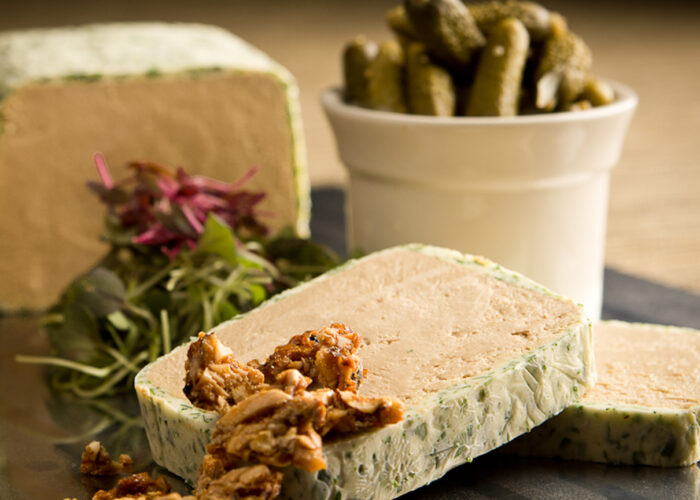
(478, 354)
(178, 94)
(645, 407)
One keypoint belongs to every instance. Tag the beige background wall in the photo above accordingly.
(654, 225)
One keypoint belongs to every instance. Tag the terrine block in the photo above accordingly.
(477, 353)
(185, 95)
(644, 409)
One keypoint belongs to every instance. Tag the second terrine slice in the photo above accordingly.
(645, 407)
(478, 354)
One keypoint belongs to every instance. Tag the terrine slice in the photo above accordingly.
(179, 94)
(478, 354)
(645, 407)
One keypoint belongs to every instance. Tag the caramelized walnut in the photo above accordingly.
(273, 428)
(141, 486)
(270, 417)
(327, 356)
(279, 429)
(292, 381)
(214, 380)
(95, 461)
(347, 412)
(257, 482)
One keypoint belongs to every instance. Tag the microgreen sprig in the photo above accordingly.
(186, 253)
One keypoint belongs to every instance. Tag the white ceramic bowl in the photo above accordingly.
(530, 192)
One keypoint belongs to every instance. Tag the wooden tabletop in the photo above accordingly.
(654, 47)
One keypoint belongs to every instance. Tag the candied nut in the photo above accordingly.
(96, 461)
(257, 482)
(292, 381)
(327, 356)
(214, 379)
(140, 486)
(281, 423)
(273, 428)
(348, 412)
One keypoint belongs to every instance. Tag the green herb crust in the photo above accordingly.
(446, 429)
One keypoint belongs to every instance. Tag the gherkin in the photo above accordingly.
(385, 86)
(493, 58)
(565, 63)
(446, 28)
(398, 21)
(535, 17)
(357, 56)
(597, 91)
(498, 77)
(558, 24)
(579, 105)
(429, 88)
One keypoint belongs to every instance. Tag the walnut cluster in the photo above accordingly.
(215, 380)
(138, 486)
(270, 417)
(96, 461)
(327, 356)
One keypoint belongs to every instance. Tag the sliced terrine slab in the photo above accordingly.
(645, 407)
(179, 94)
(478, 354)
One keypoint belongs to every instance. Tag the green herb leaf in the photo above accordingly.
(103, 292)
(119, 321)
(77, 336)
(226, 311)
(258, 293)
(217, 238)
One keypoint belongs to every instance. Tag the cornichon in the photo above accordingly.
(398, 21)
(429, 87)
(357, 56)
(470, 59)
(500, 71)
(446, 28)
(597, 92)
(535, 17)
(561, 74)
(385, 89)
(578, 105)
(558, 24)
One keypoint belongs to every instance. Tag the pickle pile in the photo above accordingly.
(483, 59)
